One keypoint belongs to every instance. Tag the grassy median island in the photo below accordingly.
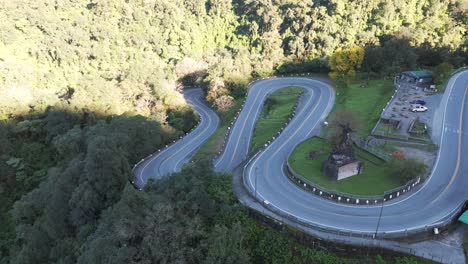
(367, 98)
(276, 111)
(214, 143)
(376, 178)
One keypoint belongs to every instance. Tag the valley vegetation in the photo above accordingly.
(88, 88)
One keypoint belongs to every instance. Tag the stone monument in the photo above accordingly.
(341, 163)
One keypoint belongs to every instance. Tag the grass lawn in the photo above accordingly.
(214, 144)
(274, 115)
(419, 126)
(390, 146)
(375, 179)
(388, 130)
(365, 97)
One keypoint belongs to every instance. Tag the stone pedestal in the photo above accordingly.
(340, 166)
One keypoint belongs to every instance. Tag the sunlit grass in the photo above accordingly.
(375, 180)
(271, 120)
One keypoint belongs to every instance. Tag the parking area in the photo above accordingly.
(398, 114)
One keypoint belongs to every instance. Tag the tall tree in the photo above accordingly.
(346, 61)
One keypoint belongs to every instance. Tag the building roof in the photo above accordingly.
(418, 74)
(464, 217)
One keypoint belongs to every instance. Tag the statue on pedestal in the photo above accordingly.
(342, 163)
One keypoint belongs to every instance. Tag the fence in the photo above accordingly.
(375, 151)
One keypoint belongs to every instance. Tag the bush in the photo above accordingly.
(407, 169)
(442, 72)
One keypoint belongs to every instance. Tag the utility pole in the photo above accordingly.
(380, 217)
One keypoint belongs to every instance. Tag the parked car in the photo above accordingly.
(418, 108)
(419, 102)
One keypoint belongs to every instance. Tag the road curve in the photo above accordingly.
(439, 197)
(238, 143)
(264, 176)
(172, 158)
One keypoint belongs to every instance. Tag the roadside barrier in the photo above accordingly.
(346, 198)
(230, 128)
(440, 225)
(135, 181)
(435, 227)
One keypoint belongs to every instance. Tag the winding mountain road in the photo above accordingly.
(437, 199)
(172, 158)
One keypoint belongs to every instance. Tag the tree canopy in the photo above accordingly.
(88, 88)
(346, 61)
(118, 56)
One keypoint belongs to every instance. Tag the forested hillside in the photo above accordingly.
(117, 56)
(89, 87)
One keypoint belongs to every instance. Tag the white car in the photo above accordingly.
(418, 108)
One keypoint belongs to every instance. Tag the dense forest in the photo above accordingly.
(117, 56)
(88, 87)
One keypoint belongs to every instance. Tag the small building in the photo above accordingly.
(421, 78)
(340, 166)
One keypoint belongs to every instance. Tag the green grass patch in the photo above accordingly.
(362, 155)
(390, 146)
(419, 126)
(375, 179)
(276, 111)
(215, 142)
(366, 97)
(388, 130)
(385, 129)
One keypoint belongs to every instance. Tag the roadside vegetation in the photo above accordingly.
(88, 88)
(277, 109)
(75, 204)
(61, 171)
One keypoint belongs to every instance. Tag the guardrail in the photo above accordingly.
(347, 198)
(441, 225)
(132, 180)
(228, 133)
(325, 193)
(226, 136)
(389, 195)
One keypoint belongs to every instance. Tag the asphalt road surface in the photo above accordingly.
(171, 159)
(439, 197)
